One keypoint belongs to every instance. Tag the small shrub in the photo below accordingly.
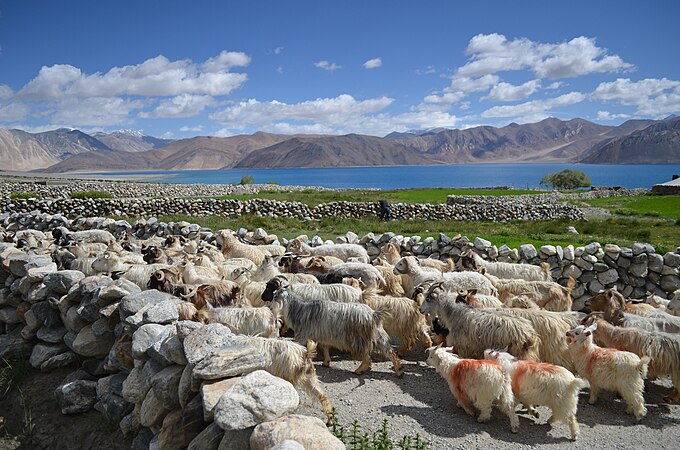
(22, 195)
(12, 372)
(247, 179)
(355, 439)
(644, 234)
(90, 194)
(567, 179)
(275, 183)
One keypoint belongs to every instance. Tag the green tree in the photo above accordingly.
(567, 179)
(247, 179)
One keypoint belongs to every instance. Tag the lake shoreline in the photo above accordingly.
(517, 176)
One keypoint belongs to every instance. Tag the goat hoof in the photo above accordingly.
(326, 364)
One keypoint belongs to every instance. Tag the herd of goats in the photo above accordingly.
(503, 333)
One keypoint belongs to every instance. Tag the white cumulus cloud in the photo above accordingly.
(460, 88)
(154, 77)
(652, 96)
(185, 128)
(506, 92)
(185, 105)
(373, 63)
(13, 111)
(534, 108)
(492, 53)
(6, 92)
(606, 115)
(327, 65)
(95, 111)
(337, 115)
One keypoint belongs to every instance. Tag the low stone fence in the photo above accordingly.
(176, 384)
(152, 207)
(167, 383)
(633, 271)
(59, 188)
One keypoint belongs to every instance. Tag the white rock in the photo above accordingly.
(256, 398)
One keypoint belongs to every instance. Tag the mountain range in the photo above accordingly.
(550, 140)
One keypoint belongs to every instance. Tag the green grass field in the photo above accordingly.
(434, 195)
(644, 218)
(663, 206)
(663, 234)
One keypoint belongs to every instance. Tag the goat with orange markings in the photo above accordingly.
(662, 348)
(609, 369)
(543, 384)
(477, 383)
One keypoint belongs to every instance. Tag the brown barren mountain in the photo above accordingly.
(131, 141)
(550, 140)
(199, 153)
(24, 151)
(334, 151)
(656, 144)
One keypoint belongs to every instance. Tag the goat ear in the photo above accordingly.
(591, 327)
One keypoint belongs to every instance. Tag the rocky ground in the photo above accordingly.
(32, 417)
(419, 403)
(422, 403)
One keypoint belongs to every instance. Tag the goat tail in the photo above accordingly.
(380, 314)
(531, 349)
(369, 292)
(546, 270)
(311, 349)
(643, 366)
(576, 385)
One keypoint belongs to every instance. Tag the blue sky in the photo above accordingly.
(180, 69)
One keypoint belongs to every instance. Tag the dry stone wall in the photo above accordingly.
(634, 271)
(172, 384)
(140, 366)
(503, 210)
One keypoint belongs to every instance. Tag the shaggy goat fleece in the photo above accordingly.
(609, 369)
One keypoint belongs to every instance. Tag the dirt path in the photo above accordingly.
(422, 403)
(419, 403)
(50, 428)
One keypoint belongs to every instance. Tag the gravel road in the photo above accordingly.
(422, 403)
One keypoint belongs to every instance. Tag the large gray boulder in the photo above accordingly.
(61, 281)
(310, 432)
(166, 384)
(42, 352)
(205, 340)
(256, 398)
(145, 337)
(152, 412)
(181, 426)
(211, 392)
(208, 439)
(132, 303)
(138, 382)
(90, 345)
(76, 396)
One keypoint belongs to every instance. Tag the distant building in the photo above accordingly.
(669, 188)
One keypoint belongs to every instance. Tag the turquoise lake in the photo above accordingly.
(401, 177)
